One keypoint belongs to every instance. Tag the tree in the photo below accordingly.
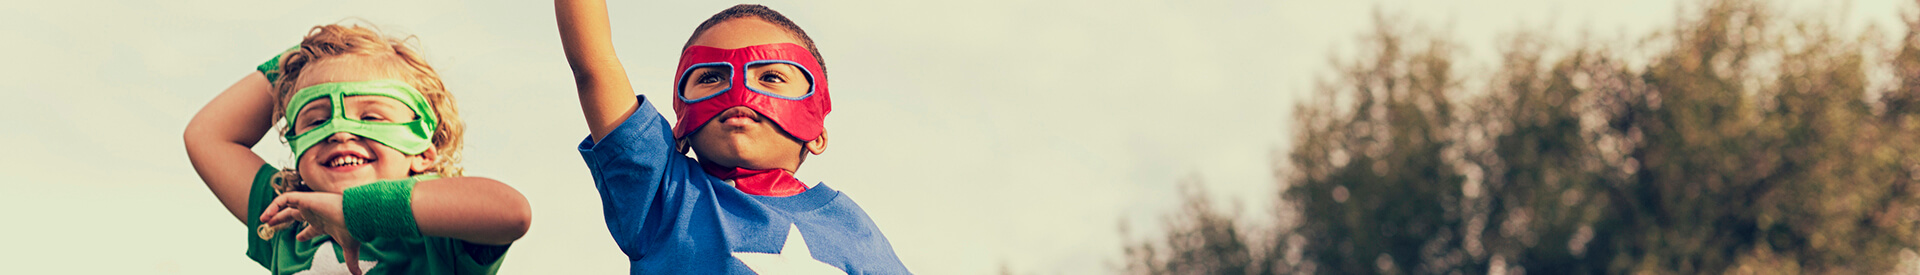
(1747, 143)
(1202, 240)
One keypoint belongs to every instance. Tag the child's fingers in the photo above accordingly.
(285, 216)
(353, 257)
(288, 201)
(266, 215)
(309, 233)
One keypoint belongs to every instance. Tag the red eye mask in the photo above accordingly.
(802, 117)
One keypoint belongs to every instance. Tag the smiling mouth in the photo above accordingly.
(344, 160)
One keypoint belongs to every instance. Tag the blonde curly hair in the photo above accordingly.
(337, 40)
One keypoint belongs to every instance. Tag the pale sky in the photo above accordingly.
(976, 134)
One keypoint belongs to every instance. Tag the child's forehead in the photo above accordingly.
(744, 32)
(347, 68)
(321, 104)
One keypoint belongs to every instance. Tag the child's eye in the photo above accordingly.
(371, 117)
(711, 77)
(316, 122)
(772, 78)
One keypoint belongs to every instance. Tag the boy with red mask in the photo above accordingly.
(751, 97)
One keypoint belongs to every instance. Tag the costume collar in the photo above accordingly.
(771, 182)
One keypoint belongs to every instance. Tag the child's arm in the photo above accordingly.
(477, 210)
(221, 136)
(473, 209)
(632, 175)
(605, 95)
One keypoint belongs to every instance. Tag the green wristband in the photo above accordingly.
(271, 69)
(381, 209)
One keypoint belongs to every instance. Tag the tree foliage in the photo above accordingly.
(1743, 141)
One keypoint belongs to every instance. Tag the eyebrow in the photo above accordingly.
(788, 69)
(311, 106)
(375, 102)
(771, 64)
(382, 105)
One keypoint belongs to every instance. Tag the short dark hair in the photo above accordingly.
(765, 14)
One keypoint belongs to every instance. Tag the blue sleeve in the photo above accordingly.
(637, 170)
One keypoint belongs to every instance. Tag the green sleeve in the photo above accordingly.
(468, 258)
(260, 196)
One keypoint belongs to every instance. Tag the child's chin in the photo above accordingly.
(351, 175)
(342, 182)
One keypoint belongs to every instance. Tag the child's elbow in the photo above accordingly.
(509, 214)
(521, 220)
(191, 135)
(510, 222)
(519, 216)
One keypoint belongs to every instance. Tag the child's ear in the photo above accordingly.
(422, 162)
(818, 145)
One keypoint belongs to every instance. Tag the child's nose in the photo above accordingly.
(339, 137)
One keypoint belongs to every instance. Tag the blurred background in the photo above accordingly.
(1092, 137)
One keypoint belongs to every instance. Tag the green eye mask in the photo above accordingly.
(412, 137)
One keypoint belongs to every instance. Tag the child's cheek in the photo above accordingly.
(392, 163)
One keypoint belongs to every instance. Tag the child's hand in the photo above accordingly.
(322, 213)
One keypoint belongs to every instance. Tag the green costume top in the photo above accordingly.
(421, 255)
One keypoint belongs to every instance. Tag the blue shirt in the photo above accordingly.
(671, 217)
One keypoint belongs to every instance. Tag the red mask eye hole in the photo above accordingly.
(705, 80)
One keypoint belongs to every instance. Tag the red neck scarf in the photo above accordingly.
(771, 182)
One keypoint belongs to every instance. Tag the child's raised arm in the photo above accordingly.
(605, 94)
(221, 136)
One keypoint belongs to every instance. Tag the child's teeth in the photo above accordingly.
(347, 160)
